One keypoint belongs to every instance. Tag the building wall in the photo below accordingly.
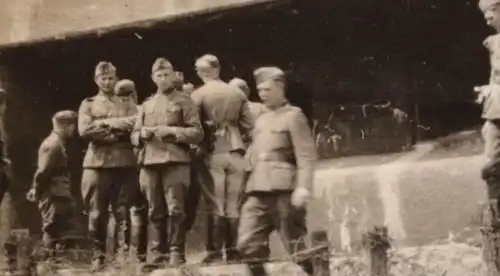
(22, 21)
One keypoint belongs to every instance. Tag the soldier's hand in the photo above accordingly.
(147, 133)
(31, 195)
(300, 197)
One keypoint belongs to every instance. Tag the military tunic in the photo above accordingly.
(109, 176)
(52, 183)
(165, 165)
(281, 159)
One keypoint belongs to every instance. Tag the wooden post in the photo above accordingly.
(321, 258)
(491, 238)
(375, 244)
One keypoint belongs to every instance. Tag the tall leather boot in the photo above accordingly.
(216, 235)
(157, 252)
(138, 235)
(232, 254)
(177, 240)
(99, 250)
(122, 241)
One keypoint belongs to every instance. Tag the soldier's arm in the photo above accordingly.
(136, 131)
(47, 157)
(304, 149)
(124, 123)
(191, 132)
(88, 129)
(246, 121)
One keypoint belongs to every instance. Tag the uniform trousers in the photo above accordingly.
(165, 187)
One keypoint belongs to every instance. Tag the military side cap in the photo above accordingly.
(484, 5)
(124, 87)
(207, 61)
(241, 84)
(65, 117)
(161, 64)
(104, 67)
(265, 74)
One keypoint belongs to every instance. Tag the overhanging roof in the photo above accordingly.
(31, 21)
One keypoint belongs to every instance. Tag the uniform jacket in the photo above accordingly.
(283, 153)
(227, 109)
(176, 121)
(52, 175)
(110, 146)
(491, 101)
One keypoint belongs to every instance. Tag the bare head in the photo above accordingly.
(208, 68)
(126, 89)
(271, 86)
(105, 77)
(491, 11)
(163, 74)
(241, 84)
(64, 123)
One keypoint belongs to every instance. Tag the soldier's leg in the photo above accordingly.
(96, 184)
(176, 180)
(127, 195)
(234, 190)
(192, 196)
(138, 225)
(49, 229)
(291, 225)
(256, 224)
(216, 165)
(68, 221)
(149, 178)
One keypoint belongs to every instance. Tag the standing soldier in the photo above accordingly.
(225, 108)
(282, 160)
(165, 128)
(51, 186)
(256, 108)
(489, 96)
(126, 91)
(4, 162)
(109, 168)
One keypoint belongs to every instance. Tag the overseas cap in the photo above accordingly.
(484, 5)
(65, 117)
(124, 87)
(241, 84)
(265, 74)
(207, 61)
(104, 68)
(161, 64)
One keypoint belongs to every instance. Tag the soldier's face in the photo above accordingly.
(164, 78)
(106, 82)
(492, 17)
(271, 93)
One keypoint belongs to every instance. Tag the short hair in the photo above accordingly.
(125, 87)
(241, 84)
(208, 61)
(65, 117)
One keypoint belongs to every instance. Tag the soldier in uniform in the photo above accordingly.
(4, 162)
(126, 91)
(226, 109)
(165, 128)
(281, 162)
(489, 97)
(256, 108)
(51, 185)
(109, 177)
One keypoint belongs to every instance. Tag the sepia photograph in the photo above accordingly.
(250, 138)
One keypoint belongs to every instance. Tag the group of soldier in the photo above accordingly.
(141, 161)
